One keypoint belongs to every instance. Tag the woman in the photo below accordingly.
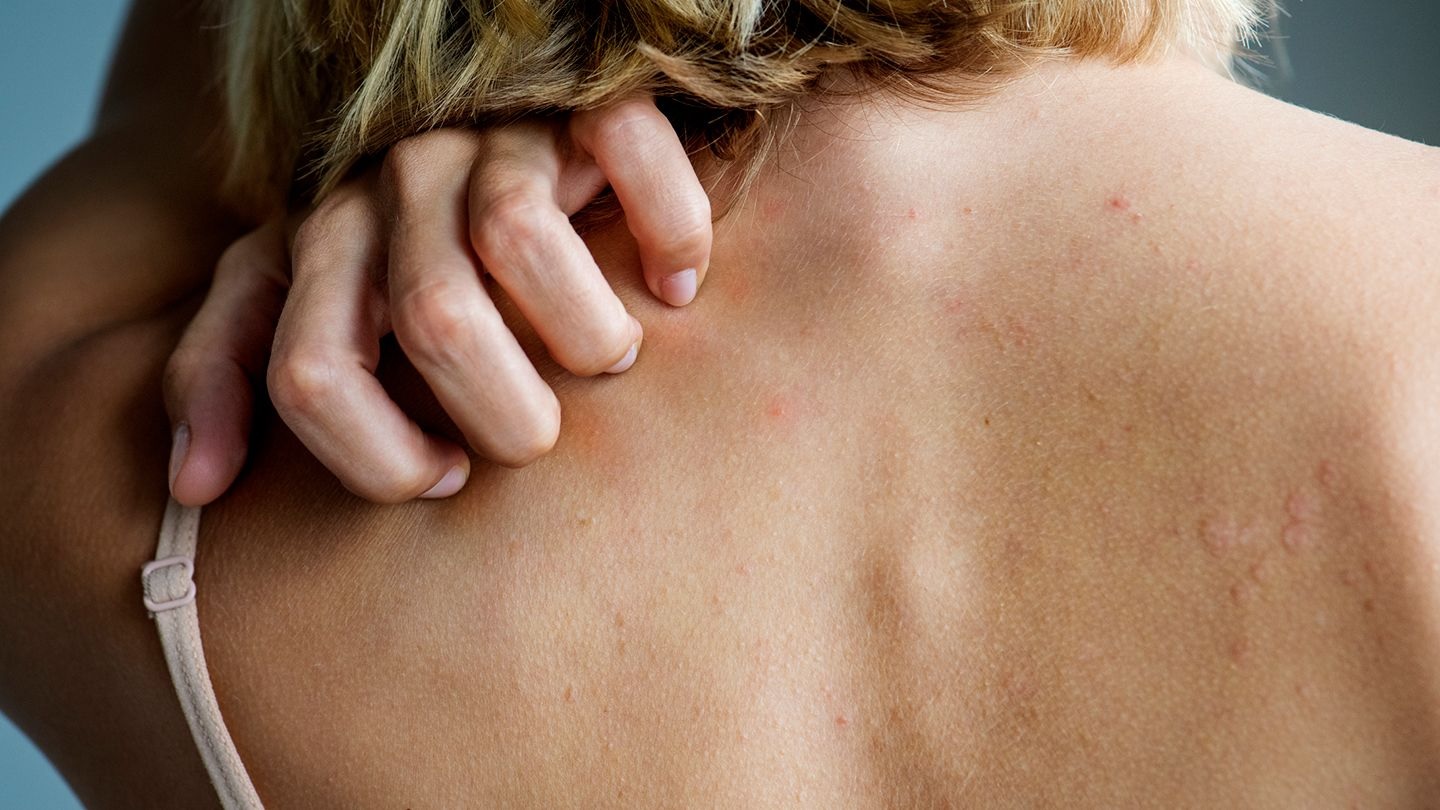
(1063, 442)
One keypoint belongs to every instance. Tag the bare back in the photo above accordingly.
(1070, 450)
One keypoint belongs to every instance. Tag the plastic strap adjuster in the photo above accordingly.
(185, 563)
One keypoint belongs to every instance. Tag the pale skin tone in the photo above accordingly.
(1074, 448)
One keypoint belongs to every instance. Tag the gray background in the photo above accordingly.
(1374, 62)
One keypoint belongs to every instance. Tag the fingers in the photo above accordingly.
(665, 205)
(211, 377)
(327, 346)
(528, 245)
(444, 319)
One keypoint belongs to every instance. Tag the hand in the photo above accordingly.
(405, 246)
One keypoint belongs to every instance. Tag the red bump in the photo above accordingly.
(1118, 202)
(1302, 506)
(1297, 537)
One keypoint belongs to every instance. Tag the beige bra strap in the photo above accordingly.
(169, 586)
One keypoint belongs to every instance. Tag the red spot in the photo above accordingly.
(1327, 476)
(1368, 605)
(1019, 331)
(967, 211)
(1297, 537)
(1241, 593)
(772, 208)
(1220, 535)
(1260, 570)
(737, 288)
(912, 214)
(1118, 202)
(1128, 428)
(1136, 219)
(1192, 265)
(841, 720)
(1302, 506)
(777, 408)
(1240, 651)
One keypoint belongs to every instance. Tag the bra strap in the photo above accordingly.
(169, 595)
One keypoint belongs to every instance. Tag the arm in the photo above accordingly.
(129, 222)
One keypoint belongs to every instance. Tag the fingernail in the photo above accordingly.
(179, 446)
(625, 362)
(678, 289)
(449, 485)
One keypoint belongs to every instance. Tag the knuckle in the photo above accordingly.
(433, 321)
(510, 226)
(404, 170)
(302, 382)
(628, 122)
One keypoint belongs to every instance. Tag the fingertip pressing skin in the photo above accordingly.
(452, 482)
(678, 289)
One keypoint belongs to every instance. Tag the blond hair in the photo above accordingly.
(313, 86)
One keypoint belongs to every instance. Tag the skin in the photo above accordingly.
(968, 481)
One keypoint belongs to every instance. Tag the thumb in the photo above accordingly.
(211, 378)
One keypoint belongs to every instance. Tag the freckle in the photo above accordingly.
(1368, 605)
(1297, 537)
(968, 211)
(1118, 202)
(619, 620)
(841, 720)
(569, 695)
(715, 599)
(585, 522)
(987, 421)
(1128, 428)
